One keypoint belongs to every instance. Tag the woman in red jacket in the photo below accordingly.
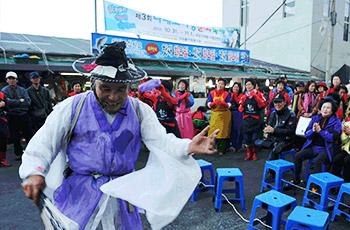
(336, 81)
(76, 86)
(251, 104)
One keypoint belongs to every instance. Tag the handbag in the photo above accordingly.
(40, 113)
(302, 126)
(266, 144)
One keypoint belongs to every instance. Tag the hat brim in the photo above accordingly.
(131, 74)
(326, 88)
(278, 100)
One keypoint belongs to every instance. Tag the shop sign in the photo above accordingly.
(148, 49)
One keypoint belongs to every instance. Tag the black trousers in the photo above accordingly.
(3, 142)
(37, 122)
(342, 161)
(19, 125)
(308, 153)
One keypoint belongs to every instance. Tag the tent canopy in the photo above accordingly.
(343, 73)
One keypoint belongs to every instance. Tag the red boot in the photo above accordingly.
(3, 159)
(249, 153)
(255, 152)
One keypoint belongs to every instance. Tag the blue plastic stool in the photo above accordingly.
(344, 189)
(205, 166)
(308, 169)
(279, 166)
(229, 174)
(307, 218)
(326, 181)
(276, 203)
(286, 153)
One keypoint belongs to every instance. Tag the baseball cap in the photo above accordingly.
(283, 76)
(11, 74)
(279, 97)
(34, 75)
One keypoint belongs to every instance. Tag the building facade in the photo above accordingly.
(295, 36)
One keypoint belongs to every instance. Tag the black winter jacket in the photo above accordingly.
(284, 123)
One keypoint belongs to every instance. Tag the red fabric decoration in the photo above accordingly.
(89, 67)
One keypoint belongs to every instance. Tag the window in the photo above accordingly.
(326, 8)
(289, 8)
(346, 20)
(244, 12)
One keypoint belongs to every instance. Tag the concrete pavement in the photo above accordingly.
(17, 212)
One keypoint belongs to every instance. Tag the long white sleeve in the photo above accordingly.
(48, 141)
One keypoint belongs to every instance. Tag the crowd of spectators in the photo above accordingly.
(268, 118)
(248, 117)
(23, 111)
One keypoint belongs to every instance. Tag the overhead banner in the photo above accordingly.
(148, 49)
(120, 18)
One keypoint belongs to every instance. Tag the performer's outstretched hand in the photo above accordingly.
(202, 144)
(32, 187)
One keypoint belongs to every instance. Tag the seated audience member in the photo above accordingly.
(280, 128)
(200, 120)
(341, 160)
(322, 133)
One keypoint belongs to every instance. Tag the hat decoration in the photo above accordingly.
(111, 66)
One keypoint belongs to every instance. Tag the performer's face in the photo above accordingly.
(112, 96)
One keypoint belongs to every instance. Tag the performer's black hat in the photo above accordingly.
(111, 66)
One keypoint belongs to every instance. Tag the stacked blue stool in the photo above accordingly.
(344, 189)
(326, 181)
(275, 203)
(279, 167)
(307, 218)
(229, 174)
(289, 152)
(205, 166)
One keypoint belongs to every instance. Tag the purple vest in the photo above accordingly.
(98, 147)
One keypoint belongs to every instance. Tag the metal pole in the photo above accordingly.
(95, 17)
(245, 24)
(331, 24)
